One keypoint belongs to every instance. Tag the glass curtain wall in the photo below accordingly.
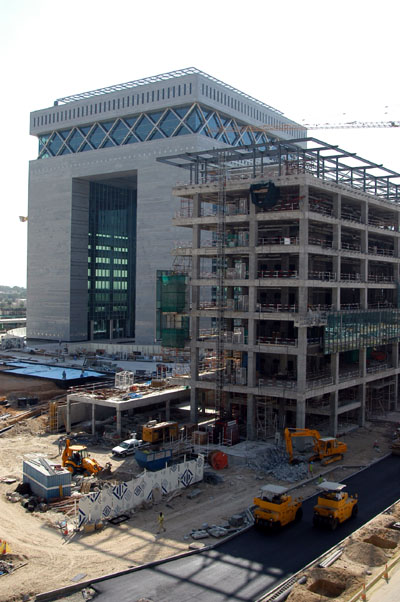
(112, 262)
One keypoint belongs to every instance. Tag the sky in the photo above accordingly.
(316, 61)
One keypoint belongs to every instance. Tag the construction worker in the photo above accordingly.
(311, 468)
(320, 479)
(161, 523)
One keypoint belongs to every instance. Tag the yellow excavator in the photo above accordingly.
(326, 449)
(76, 459)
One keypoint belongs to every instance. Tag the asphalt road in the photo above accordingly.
(245, 567)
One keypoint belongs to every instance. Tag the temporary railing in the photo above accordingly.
(276, 307)
(350, 306)
(379, 278)
(381, 251)
(330, 276)
(277, 382)
(348, 375)
(350, 277)
(276, 341)
(321, 209)
(378, 368)
(351, 217)
(277, 274)
(279, 240)
(351, 247)
(319, 381)
(318, 242)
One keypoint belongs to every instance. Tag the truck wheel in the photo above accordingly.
(334, 524)
(354, 511)
(123, 455)
(299, 515)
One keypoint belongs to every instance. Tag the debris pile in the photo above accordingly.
(234, 524)
(275, 462)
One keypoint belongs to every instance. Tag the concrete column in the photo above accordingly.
(68, 426)
(119, 422)
(168, 410)
(337, 236)
(93, 419)
(335, 367)
(301, 414)
(395, 355)
(251, 369)
(302, 360)
(251, 417)
(194, 373)
(364, 297)
(362, 399)
(111, 328)
(362, 362)
(396, 392)
(333, 418)
(337, 206)
(336, 297)
(303, 300)
(281, 413)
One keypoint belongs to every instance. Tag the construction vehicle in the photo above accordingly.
(275, 508)
(326, 449)
(334, 505)
(76, 459)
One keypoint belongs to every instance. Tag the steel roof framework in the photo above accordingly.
(320, 159)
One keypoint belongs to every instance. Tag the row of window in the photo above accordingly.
(178, 121)
(120, 285)
(113, 105)
(116, 260)
(103, 273)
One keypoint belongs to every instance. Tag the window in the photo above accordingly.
(179, 90)
(184, 89)
(152, 96)
(114, 104)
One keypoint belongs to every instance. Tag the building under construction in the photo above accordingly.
(294, 284)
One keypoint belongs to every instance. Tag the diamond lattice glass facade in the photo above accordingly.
(112, 258)
(153, 125)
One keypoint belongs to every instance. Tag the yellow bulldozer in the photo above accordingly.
(76, 459)
(326, 449)
(334, 505)
(275, 508)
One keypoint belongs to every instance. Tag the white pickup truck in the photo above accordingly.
(126, 447)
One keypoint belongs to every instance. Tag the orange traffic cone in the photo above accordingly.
(386, 574)
(364, 593)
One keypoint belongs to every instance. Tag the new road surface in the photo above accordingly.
(245, 567)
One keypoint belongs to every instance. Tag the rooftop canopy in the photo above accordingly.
(301, 155)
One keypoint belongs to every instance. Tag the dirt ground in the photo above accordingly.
(53, 559)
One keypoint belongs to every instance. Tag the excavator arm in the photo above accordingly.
(289, 433)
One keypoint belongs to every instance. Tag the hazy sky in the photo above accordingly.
(313, 60)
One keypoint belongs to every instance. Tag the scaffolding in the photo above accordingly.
(348, 330)
(172, 320)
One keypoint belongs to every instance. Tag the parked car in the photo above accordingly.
(126, 447)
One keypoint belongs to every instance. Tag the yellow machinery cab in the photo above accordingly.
(334, 505)
(275, 508)
(76, 459)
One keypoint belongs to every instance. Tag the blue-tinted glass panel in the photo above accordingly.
(96, 136)
(65, 151)
(85, 147)
(194, 120)
(206, 112)
(75, 141)
(64, 134)
(215, 126)
(119, 132)
(182, 130)
(155, 135)
(107, 125)
(143, 128)
(247, 139)
(55, 144)
(107, 144)
(131, 139)
(224, 120)
(182, 111)
(224, 139)
(169, 123)
(130, 121)
(44, 156)
(85, 130)
(232, 137)
(155, 115)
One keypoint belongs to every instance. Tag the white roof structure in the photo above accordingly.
(274, 489)
(331, 486)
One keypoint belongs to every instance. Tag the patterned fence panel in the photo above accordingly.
(115, 500)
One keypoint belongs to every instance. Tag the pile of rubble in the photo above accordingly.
(233, 525)
(275, 462)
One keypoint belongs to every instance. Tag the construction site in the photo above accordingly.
(277, 367)
(294, 268)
